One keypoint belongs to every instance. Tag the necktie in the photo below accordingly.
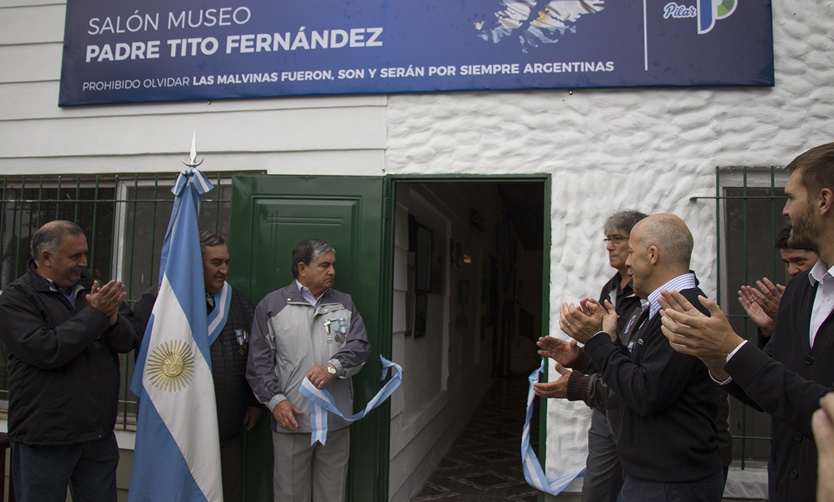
(634, 323)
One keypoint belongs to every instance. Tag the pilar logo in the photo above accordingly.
(707, 12)
(710, 11)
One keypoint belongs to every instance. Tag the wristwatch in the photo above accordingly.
(331, 369)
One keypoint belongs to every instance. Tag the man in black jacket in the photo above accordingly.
(64, 333)
(603, 475)
(667, 440)
(237, 407)
(796, 368)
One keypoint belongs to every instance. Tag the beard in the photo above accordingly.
(804, 230)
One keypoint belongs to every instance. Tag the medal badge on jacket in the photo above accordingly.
(337, 325)
(242, 337)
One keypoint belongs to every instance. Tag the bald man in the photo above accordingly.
(667, 440)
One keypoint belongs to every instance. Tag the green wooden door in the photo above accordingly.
(270, 214)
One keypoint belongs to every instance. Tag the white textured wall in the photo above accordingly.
(606, 149)
(610, 149)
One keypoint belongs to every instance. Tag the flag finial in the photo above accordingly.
(193, 161)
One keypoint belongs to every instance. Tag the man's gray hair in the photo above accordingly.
(308, 251)
(210, 239)
(625, 220)
(50, 236)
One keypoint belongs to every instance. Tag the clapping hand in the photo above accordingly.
(591, 317)
(106, 299)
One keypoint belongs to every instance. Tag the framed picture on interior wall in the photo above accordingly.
(421, 314)
(423, 259)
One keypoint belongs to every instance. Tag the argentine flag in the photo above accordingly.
(177, 455)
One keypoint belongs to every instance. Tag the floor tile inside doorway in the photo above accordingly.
(485, 462)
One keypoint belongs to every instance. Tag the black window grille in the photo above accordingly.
(748, 208)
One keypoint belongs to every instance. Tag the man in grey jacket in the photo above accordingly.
(307, 329)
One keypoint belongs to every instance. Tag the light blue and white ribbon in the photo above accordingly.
(533, 472)
(217, 318)
(322, 402)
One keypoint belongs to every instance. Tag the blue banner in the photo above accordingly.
(119, 51)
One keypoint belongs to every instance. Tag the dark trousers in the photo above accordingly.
(709, 489)
(231, 465)
(603, 475)
(42, 473)
(771, 479)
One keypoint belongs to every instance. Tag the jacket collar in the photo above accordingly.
(40, 283)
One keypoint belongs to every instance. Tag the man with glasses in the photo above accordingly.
(618, 289)
(603, 475)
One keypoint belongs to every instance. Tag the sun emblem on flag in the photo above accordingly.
(171, 366)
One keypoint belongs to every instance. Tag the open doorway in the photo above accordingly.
(464, 265)
(470, 296)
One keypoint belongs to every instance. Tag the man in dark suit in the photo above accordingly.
(230, 314)
(796, 368)
(667, 440)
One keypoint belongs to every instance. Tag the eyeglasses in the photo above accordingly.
(616, 239)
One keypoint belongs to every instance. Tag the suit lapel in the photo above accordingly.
(806, 309)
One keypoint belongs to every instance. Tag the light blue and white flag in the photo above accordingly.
(177, 455)
(322, 402)
(533, 472)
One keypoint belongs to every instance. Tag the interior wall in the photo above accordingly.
(447, 371)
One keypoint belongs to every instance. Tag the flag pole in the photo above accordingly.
(177, 452)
